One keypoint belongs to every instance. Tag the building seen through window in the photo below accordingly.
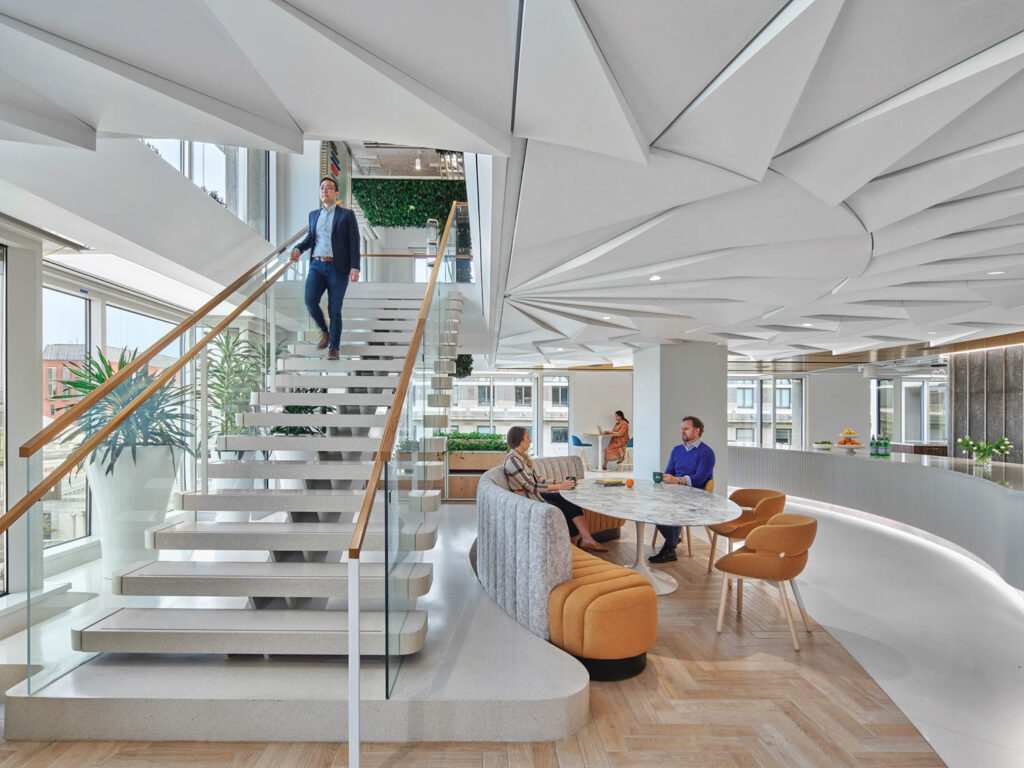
(766, 411)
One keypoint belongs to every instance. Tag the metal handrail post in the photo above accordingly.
(272, 335)
(204, 408)
(353, 662)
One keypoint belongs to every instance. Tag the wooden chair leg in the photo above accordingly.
(654, 538)
(689, 542)
(800, 605)
(711, 557)
(586, 461)
(721, 603)
(739, 596)
(789, 614)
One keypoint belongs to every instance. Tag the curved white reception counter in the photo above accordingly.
(982, 514)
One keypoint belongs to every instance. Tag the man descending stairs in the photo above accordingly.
(271, 550)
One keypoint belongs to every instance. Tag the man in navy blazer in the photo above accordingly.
(333, 242)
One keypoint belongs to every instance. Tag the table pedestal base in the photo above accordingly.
(663, 583)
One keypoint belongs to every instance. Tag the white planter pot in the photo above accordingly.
(130, 499)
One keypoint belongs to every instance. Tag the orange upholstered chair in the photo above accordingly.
(775, 551)
(759, 505)
(710, 488)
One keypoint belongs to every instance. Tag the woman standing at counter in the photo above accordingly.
(616, 448)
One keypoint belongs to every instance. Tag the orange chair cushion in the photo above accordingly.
(604, 611)
(748, 564)
(598, 522)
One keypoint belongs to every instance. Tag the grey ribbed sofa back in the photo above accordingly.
(523, 549)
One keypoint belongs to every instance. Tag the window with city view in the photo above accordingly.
(494, 403)
(65, 343)
(766, 411)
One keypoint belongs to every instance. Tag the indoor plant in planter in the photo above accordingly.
(131, 473)
(470, 454)
(235, 371)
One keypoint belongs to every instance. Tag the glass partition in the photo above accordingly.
(413, 475)
(142, 477)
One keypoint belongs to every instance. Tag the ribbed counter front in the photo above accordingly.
(981, 512)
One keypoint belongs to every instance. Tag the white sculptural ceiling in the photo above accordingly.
(782, 177)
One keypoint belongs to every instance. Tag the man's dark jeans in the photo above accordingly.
(324, 277)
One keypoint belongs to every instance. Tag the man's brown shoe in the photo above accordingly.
(332, 354)
(325, 339)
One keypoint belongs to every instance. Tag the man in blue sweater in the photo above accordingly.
(692, 463)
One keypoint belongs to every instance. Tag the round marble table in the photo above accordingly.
(658, 503)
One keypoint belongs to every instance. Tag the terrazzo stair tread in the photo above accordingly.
(291, 470)
(297, 443)
(323, 364)
(422, 470)
(323, 398)
(366, 325)
(387, 337)
(279, 419)
(337, 380)
(386, 290)
(425, 501)
(289, 537)
(270, 579)
(286, 500)
(221, 631)
(376, 352)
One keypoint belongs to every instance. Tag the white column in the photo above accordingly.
(669, 383)
(24, 409)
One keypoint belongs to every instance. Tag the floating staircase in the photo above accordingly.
(277, 538)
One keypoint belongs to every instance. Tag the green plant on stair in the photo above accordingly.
(463, 366)
(305, 409)
(235, 371)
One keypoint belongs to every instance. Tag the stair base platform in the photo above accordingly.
(479, 677)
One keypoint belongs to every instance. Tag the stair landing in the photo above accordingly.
(479, 677)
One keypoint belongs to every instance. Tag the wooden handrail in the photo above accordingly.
(69, 416)
(387, 440)
(37, 493)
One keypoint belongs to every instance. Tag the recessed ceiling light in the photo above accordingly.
(607, 317)
(932, 333)
(998, 272)
(807, 325)
(559, 350)
(654, 278)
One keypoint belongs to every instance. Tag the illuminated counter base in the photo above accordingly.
(938, 495)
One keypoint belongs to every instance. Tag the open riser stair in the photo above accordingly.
(268, 537)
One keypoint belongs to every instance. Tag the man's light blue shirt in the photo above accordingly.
(324, 224)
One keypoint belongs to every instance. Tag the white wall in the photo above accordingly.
(671, 382)
(594, 396)
(298, 191)
(837, 401)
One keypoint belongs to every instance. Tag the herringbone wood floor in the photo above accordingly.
(736, 700)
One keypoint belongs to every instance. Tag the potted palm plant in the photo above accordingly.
(131, 473)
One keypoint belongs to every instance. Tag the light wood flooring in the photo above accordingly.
(741, 699)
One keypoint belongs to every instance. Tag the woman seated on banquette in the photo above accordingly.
(523, 478)
(616, 448)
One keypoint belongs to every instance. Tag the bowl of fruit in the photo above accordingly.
(848, 440)
(822, 445)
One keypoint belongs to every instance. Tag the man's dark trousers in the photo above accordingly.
(324, 277)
